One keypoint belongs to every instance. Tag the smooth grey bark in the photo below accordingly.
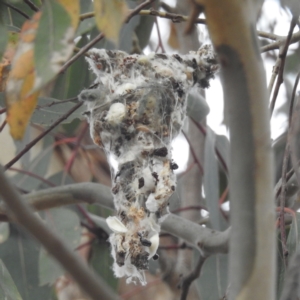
(252, 242)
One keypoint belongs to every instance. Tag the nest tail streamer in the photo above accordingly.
(135, 110)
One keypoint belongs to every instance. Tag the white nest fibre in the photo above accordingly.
(135, 110)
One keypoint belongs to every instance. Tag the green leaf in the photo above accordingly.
(4, 232)
(37, 166)
(101, 261)
(76, 78)
(57, 179)
(197, 107)
(20, 256)
(3, 39)
(211, 182)
(45, 116)
(8, 289)
(52, 49)
(144, 28)
(65, 223)
(85, 26)
(293, 239)
(13, 18)
(213, 281)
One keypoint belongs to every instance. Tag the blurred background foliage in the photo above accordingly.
(67, 155)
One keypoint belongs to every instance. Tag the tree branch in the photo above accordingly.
(70, 260)
(188, 280)
(206, 240)
(231, 26)
(81, 52)
(282, 55)
(136, 11)
(280, 42)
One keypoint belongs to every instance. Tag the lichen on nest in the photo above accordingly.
(136, 108)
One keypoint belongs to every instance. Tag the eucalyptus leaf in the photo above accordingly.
(211, 182)
(66, 224)
(85, 26)
(213, 281)
(53, 48)
(293, 239)
(57, 179)
(3, 39)
(144, 28)
(197, 107)
(14, 18)
(8, 289)
(4, 232)
(223, 146)
(20, 255)
(45, 114)
(101, 261)
(76, 78)
(37, 166)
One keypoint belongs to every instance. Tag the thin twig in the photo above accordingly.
(56, 103)
(160, 43)
(275, 71)
(295, 131)
(31, 5)
(281, 41)
(3, 125)
(282, 56)
(94, 286)
(17, 10)
(193, 153)
(175, 18)
(48, 182)
(293, 98)
(82, 51)
(32, 143)
(284, 179)
(188, 280)
(268, 35)
(137, 9)
(278, 186)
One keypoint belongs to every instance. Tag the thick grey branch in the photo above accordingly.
(73, 263)
(207, 240)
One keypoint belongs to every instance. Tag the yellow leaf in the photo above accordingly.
(20, 101)
(19, 112)
(7, 58)
(73, 9)
(110, 15)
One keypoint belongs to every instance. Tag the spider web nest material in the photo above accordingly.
(137, 107)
